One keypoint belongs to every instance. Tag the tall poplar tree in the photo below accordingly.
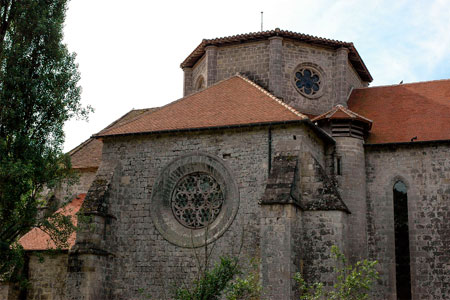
(39, 91)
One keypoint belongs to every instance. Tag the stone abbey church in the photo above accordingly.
(277, 151)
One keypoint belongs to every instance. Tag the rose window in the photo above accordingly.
(197, 200)
(307, 81)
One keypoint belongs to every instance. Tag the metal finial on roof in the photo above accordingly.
(262, 14)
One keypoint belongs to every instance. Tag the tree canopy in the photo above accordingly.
(39, 92)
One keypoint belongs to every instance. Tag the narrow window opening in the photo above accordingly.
(295, 137)
(226, 155)
(338, 166)
(402, 256)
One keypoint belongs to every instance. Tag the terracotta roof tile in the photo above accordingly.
(401, 112)
(340, 112)
(36, 239)
(353, 56)
(235, 101)
(89, 153)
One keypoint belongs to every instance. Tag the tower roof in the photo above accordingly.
(341, 113)
(353, 54)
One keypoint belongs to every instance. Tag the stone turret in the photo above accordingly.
(349, 129)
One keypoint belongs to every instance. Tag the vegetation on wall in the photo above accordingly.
(39, 92)
(353, 282)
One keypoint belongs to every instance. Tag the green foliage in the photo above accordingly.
(212, 282)
(353, 282)
(38, 92)
(245, 287)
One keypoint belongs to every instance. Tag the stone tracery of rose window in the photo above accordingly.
(197, 200)
(307, 81)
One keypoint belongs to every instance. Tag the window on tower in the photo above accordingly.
(308, 80)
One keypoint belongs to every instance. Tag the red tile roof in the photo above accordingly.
(88, 154)
(235, 101)
(401, 112)
(353, 55)
(340, 112)
(36, 239)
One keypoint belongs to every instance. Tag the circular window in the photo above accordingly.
(194, 200)
(197, 200)
(308, 80)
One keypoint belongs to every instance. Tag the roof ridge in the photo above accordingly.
(164, 106)
(105, 130)
(117, 120)
(346, 110)
(273, 97)
(111, 126)
(271, 32)
(79, 147)
(401, 84)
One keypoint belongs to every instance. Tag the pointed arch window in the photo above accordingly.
(402, 253)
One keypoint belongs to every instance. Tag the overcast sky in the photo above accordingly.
(129, 52)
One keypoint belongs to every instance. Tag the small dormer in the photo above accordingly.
(309, 73)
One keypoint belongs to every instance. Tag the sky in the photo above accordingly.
(129, 52)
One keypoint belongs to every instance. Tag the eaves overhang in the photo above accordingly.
(321, 133)
(353, 55)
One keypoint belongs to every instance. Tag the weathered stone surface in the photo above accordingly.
(319, 190)
(291, 201)
(281, 182)
(271, 64)
(425, 169)
(9, 291)
(322, 230)
(280, 250)
(352, 187)
(47, 276)
(162, 213)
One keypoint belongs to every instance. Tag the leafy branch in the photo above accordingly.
(353, 282)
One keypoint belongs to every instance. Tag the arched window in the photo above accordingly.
(402, 257)
(200, 83)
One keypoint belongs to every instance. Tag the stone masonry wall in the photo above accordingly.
(352, 187)
(322, 230)
(296, 140)
(144, 260)
(296, 53)
(425, 169)
(353, 80)
(281, 231)
(47, 277)
(198, 70)
(66, 193)
(250, 59)
(9, 291)
(271, 64)
(187, 81)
